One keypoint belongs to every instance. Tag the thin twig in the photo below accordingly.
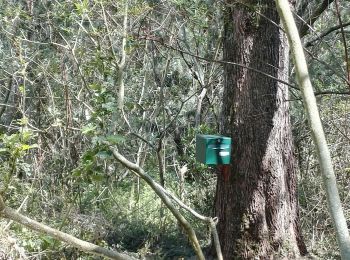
(216, 61)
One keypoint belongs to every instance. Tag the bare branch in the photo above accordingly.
(158, 189)
(217, 61)
(330, 30)
(344, 41)
(7, 96)
(329, 92)
(325, 64)
(164, 195)
(311, 19)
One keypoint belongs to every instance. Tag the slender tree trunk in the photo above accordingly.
(324, 157)
(257, 205)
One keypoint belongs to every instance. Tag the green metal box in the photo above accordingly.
(213, 149)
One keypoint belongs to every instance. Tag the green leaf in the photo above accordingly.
(22, 121)
(89, 156)
(109, 106)
(95, 86)
(4, 150)
(104, 154)
(25, 147)
(47, 242)
(90, 128)
(21, 89)
(97, 177)
(77, 172)
(97, 140)
(115, 139)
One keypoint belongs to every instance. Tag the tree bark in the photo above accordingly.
(257, 205)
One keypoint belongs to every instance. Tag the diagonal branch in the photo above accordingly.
(311, 19)
(330, 30)
(159, 191)
(87, 247)
(215, 60)
(165, 196)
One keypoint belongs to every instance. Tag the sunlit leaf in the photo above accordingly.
(88, 129)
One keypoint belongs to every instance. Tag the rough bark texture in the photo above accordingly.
(257, 205)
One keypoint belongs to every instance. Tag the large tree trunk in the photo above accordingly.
(257, 205)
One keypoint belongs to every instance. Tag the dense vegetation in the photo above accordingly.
(62, 66)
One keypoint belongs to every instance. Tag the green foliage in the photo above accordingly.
(58, 161)
(13, 149)
(16, 145)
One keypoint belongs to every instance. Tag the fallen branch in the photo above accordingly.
(87, 247)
